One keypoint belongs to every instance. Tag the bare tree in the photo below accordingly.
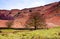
(36, 20)
(9, 23)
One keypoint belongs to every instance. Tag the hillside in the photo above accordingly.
(50, 13)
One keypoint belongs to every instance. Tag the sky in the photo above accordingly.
(21, 4)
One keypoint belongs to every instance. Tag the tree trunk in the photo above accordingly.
(35, 27)
(35, 24)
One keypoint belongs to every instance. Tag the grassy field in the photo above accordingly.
(52, 33)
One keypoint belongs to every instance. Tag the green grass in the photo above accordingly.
(52, 33)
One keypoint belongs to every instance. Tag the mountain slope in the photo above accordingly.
(50, 13)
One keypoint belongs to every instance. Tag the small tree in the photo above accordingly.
(9, 23)
(35, 20)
